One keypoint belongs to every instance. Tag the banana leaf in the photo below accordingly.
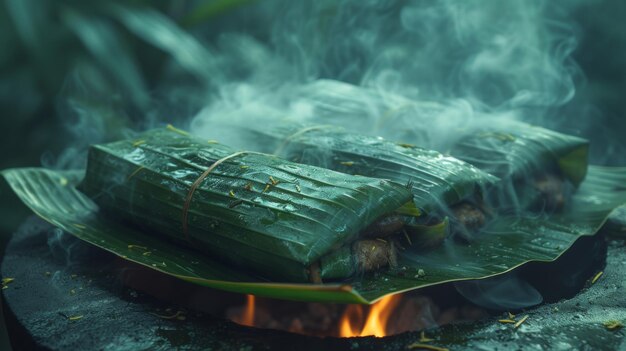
(253, 210)
(520, 148)
(616, 224)
(437, 181)
(506, 243)
(520, 154)
(517, 153)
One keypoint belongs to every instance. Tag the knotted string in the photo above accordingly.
(197, 183)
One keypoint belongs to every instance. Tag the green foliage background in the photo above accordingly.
(121, 50)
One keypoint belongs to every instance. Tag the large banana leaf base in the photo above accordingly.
(506, 243)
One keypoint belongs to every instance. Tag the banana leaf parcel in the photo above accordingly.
(443, 187)
(509, 241)
(276, 218)
(538, 168)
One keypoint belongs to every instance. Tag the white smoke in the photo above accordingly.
(391, 67)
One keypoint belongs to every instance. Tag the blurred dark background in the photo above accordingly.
(110, 63)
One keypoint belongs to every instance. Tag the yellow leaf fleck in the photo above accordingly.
(596, 277)
(507, 321)
(138, 142)
(176, 130)
(613, 325)
(424, 338)
(520, 322)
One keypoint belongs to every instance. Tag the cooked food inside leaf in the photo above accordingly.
(276, 218)
(470, 216)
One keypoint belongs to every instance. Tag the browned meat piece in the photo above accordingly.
(469, 216)
(372, 255)
(553, 190)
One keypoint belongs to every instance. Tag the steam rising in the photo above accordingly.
(416, 70)
(391, 68)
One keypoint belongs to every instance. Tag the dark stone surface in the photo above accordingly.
(84, 281)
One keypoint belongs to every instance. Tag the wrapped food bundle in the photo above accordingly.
(251, 223)
(539, 168)
(443, 187)
(282, 220)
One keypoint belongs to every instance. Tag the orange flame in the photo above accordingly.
(247, 317)
(375, 323)
(348, 323)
